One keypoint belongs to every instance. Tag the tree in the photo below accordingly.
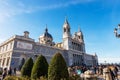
(40, 67)
(57, 69)
(27, 68)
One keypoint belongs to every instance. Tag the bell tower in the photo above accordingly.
(80, 36)
(66, 29)
(66, 35)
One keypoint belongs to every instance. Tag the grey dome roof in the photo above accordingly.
(46, 34)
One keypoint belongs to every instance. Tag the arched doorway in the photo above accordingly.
(22, 61)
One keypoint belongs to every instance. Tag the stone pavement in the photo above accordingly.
(18, 73)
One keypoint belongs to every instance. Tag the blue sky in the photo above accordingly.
(96, 18)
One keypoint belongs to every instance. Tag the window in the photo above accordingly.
(10, 45)
(3, 48)
(6, 47)
(64, 30)
(3, 62)
(0, 61)
(7, 61)
(73, 55)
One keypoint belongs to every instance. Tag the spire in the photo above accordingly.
(46, 30)
(79, 29)
(66, 24)
(66, 29)
(66, 21)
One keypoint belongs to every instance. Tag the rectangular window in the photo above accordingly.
(0, 61)
(6, 47)
(8, 59)
(3, 49)
(11, 45)
(3, 62)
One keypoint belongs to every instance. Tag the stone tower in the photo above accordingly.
(81, 40)
(66, 35)
(80, 36)
(78, 41)
(66, 29)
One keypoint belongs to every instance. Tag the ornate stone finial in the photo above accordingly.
(26, 34)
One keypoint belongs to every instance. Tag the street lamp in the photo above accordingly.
(105, 62)
(116, 31)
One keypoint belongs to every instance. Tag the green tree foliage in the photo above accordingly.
(40, 67)
(58, 69)
(16, 78)
(27, 68)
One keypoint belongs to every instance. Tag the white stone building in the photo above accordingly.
(17, 49)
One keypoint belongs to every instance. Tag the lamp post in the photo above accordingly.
(116, 31)
(105, 62)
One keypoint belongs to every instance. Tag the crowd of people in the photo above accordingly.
(97, 70)
(9, 72)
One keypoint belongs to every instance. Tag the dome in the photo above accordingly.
(46, 34)
(46, 38)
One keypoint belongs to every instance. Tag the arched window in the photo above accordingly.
(64, 30)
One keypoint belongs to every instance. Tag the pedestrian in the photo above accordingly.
(10, 71)
(112, 74)
(14, 71)
(107, 74)
(4, 74)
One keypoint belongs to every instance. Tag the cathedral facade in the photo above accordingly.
(17, 49)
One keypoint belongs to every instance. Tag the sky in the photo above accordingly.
(96, 19)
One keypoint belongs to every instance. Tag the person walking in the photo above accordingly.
(4, 74)
(14, 71)
(10, 71)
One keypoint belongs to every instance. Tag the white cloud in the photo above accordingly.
(8, 9)
(65, 4)
(109, 60)
(2, 39)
